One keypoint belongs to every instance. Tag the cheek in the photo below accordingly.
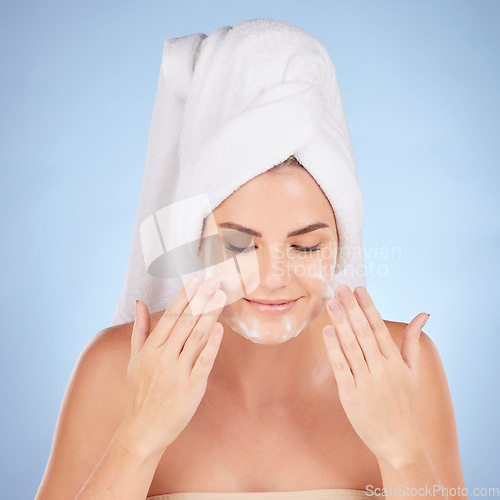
(322, 289)
(319, 279)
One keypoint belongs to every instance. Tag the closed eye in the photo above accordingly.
(248, 249)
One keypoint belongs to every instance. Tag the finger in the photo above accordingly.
(340, 365)
(206, 359)
(348, 340)
(198, 338)
(410, 345)
(384, 338)
(361, 327)
(140, 329)
(168, 319)
(171, 315)
(204, 301)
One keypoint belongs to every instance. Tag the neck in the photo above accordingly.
(257, 375)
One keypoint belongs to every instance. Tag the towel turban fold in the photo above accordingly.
(229, 107)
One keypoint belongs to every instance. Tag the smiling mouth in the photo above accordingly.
(272, 302)
(272, 309)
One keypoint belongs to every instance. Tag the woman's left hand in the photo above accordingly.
(377, 384)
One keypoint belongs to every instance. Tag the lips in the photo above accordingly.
(272, 309)
(272, 302)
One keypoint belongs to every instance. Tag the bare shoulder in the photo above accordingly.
(104, 360)
(431, 370)
(397, 329)
(108, 351)
(431, 366)
(434, 407)
(102, 367)
(92, 408)
(429, 354)
(114, 340)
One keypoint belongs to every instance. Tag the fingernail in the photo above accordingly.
(425, 321)
(329, 332)
(192, 285)
(334, 307)
(217, 331)
(220, 299)
(211, 284)
(217, 300)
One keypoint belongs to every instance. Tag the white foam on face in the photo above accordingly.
(329, 280)
(261, 334)
(267, 330)
(261, 331)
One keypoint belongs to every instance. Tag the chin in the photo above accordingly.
(262, 331)
(268, 340)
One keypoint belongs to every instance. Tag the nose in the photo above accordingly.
(273, 269)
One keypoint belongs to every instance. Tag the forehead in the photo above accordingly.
(289, 190)
(273, 204)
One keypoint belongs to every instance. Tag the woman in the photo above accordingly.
(219, 395)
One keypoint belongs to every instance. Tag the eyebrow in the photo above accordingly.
(256, 234)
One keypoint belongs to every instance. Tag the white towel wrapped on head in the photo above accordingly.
(229, 107)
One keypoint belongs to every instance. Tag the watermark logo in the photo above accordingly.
(431, 490)
(173, 247)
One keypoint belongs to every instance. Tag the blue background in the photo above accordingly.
(78, 80)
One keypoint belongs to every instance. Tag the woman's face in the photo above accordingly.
(256, 225)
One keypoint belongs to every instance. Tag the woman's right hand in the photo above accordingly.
(168, 369)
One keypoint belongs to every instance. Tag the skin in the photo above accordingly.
(264, 359)
(280, 413)
(271, 362)
(352, 394)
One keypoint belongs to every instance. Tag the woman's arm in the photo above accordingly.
(394, 390)
(93, 446)
(125, 471)
(435, 460)
(133, 391)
